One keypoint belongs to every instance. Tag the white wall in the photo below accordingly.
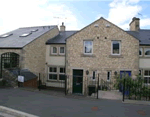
(144, 63)
(53, 59)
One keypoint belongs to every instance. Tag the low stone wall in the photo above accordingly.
(12, 79)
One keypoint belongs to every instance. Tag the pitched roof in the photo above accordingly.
(15, 40)
(143, 35)
(61, 37)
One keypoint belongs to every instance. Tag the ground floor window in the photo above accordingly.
(147, 76)
(56, 73)
(108, 75)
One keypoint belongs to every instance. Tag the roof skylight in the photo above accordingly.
(25, 34)
(34, 30)
(6, 35)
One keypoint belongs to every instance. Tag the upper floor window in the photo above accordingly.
(115, 47)
(88, 47)
(140, 51)
(54, 50)
(62, 50)
(94, 75)
(147, 51)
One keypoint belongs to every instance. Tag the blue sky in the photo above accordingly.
(76, 14)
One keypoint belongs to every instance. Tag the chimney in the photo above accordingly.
(62, 27)
(135, 24)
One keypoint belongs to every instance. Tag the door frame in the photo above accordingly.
(82, 78)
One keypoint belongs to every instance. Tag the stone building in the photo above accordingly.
(99, 49)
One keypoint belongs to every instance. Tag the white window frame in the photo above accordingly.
(84, 47)
(52, 50)
(109, 75)
(145, 51)
(52, 73)
(141, 51)
(112, 47)
(62, 53)
(61, 73)
(147, 77)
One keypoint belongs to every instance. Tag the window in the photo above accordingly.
(25, 34)
(34, 30)
(115, 47)
(62, 73)
(108, 76)
(140, 51)
(147, 51)
(6, 35)
(94, 75)
(88, 47)
(147, 76)
(62, 50)
(53, 73)
(56, 73)
(54, 50)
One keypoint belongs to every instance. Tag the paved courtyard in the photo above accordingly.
(46, 105)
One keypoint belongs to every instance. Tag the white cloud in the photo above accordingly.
(122, 11)
(24, 13)
(145, 22)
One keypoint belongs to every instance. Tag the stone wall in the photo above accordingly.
(102, 60)
(35, 52)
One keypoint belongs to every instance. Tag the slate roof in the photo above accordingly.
(143, 35)
(24, 72)
(15, 41)
(60, 38)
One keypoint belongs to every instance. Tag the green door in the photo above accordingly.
(77, 81)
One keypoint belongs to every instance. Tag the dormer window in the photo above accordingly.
(34, 30)
(25, 34)
(6, 35)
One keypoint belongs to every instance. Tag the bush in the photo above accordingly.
(3, 82)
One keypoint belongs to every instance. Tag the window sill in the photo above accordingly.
(115, 56)
(88, 55)
(144, 57)
(57, 54)
(55, 80)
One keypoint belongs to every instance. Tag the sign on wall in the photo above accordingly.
(21, 78)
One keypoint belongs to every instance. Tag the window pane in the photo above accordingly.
(50, 69)
(62, 70)
(54, 69)
(61, 77)
(140, 53)
(146, 73)
(147, 51)
(53, 76)
(145, 79)
(54, 50)
(149, 80)
(140, 72)
(88, 46)
(116, 47)
(62, 50)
